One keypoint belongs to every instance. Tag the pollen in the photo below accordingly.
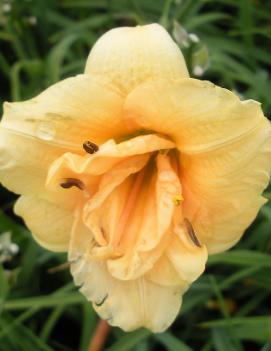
(177, 200)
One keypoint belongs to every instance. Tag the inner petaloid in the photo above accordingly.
(130, 201)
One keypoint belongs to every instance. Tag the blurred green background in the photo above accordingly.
(227, 42)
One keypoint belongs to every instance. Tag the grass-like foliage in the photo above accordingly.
(43, 41)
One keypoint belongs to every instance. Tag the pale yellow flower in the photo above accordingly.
(138, 171)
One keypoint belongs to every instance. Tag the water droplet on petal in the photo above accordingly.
(45, 131)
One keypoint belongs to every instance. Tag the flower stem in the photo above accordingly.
(100, 336)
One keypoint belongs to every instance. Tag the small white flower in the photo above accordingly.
(198, 71)
(8, 249)
(193, 38)
(6, 7)
(32, 20)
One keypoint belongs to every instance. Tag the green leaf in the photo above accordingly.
(249, 328)
(129, 340)
(222, 340)
(4, 286)
(56, 57)
(241, 258)
(24, 338)
(44, 301)
(171, 342)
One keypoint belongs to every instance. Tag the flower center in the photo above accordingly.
(129, 207)
(131, 200)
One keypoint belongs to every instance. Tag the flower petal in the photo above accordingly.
(188, 259)
(126, 304)
(37, 131)
(24, 162)
(132, 55)
(164, 273)
(92, 213)
(224, 188)
(146, 234)
(182, 263)
(110, 154)
(197, 115)
(50, 224)
(225, 152)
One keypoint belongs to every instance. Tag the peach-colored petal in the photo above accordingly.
(50, 224)
(109, 154)
(188, 259)
(224, 187)
(197, 115)
(24, 162)
(35, 132)
(108, 183)
(127, 304)
(146, 232)
(164, 273)
(132, 55)
(182, 263)
(225, 152)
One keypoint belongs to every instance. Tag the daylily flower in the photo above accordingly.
(137, 171)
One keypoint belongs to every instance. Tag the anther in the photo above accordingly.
(90, 147)
(191, 232)
(70, 182)
(100, 303)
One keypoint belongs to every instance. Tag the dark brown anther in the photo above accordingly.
(191, 232)
(70, 182)
(90, 147)
(100, 303)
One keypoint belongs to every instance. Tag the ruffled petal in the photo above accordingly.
(197, 115)
(71, 165)
(132, 55)
(126, 304)
(146, 233)
(93, 211)
(187, 258)
(225, 152)
(182, 263)
(35, 132)
(224, 187)
(49, 223)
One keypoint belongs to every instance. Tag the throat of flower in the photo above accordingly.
(128, 208)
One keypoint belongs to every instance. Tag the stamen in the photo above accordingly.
(70, 182)
(191, 232)
(90, 147)
(100, 303)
